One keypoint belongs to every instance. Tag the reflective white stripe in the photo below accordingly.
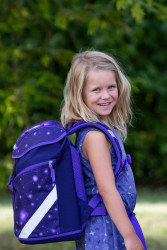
(111, 133)
(39, 214)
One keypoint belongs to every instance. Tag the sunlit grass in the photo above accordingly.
(153, 220)
(6, 219)
(151, 211)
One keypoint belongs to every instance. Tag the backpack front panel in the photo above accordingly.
(32, 185)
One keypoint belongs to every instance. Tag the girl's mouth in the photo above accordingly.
(104, 104)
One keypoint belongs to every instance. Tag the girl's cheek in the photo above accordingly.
(93, 96)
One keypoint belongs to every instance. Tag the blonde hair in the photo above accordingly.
(74, 108)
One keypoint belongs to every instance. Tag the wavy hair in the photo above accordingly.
(74, 108)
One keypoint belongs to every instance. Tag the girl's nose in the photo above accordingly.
(105, 94)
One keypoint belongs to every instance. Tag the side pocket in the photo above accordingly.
(35, 206)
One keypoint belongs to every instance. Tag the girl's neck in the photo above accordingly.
(107, 122)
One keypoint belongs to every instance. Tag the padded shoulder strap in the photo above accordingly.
(108, 132)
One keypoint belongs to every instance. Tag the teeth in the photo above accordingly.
(104, 104)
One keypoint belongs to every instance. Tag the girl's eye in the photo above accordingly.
(112, 86)
(95, 90)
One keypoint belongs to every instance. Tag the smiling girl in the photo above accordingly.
(97, 91)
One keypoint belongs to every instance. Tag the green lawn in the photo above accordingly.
(151, 211)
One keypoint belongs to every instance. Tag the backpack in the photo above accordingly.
(49, 200)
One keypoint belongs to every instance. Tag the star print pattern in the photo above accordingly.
(101, 233)
(44, 135)
(35, 185)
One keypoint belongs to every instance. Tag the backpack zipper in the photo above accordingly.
(52, 171)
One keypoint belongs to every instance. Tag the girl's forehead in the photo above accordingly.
(100, 76)
(99, 72)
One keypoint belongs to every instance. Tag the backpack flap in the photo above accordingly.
(40, 134)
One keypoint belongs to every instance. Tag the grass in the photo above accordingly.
(151, 211)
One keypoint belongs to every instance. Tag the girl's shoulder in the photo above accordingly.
(80, 136)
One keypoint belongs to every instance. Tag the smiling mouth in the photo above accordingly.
(104, 104)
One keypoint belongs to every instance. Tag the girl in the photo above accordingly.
(97, 91)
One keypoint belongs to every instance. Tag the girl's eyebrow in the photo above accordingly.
(97, 84)
(93, 85)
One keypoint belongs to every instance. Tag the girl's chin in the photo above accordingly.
(104, 117)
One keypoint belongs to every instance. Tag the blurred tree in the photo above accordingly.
(37, 42)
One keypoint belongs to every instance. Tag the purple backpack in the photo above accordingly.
(49, 200)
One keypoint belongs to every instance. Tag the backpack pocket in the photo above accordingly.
(35, 202)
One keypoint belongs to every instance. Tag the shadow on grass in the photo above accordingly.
(155, 244)
(9, 242)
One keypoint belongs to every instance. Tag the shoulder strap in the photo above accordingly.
(110, 135)
(112, 138)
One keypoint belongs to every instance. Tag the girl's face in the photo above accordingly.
(100, 92)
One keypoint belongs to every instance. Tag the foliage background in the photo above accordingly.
(37, 42)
